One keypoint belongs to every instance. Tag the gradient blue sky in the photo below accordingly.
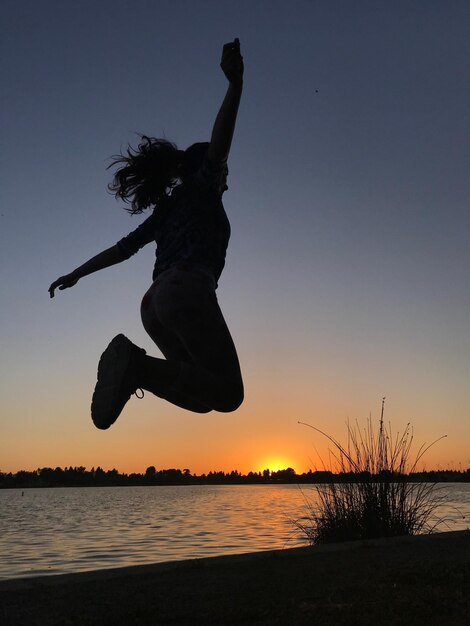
(347, 272)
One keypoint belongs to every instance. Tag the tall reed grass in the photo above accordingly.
(375, 497)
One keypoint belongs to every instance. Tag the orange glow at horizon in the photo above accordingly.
(260, 435)
(275, 463)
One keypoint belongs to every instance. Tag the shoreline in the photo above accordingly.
(362, 582)
(298, 480)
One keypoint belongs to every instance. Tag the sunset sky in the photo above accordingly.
(347, 275)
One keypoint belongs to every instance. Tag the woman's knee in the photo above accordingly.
(231, 400)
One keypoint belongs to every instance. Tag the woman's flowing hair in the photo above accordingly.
(147, 174)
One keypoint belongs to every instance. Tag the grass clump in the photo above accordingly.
(372, 495)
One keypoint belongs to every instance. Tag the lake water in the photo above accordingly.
(63, 530)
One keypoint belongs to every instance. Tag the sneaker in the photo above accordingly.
(116, 381)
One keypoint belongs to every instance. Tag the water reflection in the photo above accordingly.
(73, 529)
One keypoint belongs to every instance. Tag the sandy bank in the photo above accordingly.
(406, 580)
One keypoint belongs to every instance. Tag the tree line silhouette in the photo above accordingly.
(97, 477)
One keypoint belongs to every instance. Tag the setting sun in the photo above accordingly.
(275, 463)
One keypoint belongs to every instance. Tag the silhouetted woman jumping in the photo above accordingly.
(180, 311)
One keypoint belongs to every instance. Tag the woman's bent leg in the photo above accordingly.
(153, 372)
(185, 305)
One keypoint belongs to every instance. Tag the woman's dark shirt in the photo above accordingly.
(192, 229)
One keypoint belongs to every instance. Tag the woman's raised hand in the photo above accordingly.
(232, 62)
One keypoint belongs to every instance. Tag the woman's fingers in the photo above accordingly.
(233, 47)
(56, 284)
(234, 43)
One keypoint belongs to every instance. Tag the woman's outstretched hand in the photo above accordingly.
(232, 62)
(64, 282)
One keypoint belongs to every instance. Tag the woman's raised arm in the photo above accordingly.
(224, 126)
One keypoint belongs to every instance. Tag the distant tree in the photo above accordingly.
(99, 476)
(287, 475)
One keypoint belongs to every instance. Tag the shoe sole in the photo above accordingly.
(112, 370)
